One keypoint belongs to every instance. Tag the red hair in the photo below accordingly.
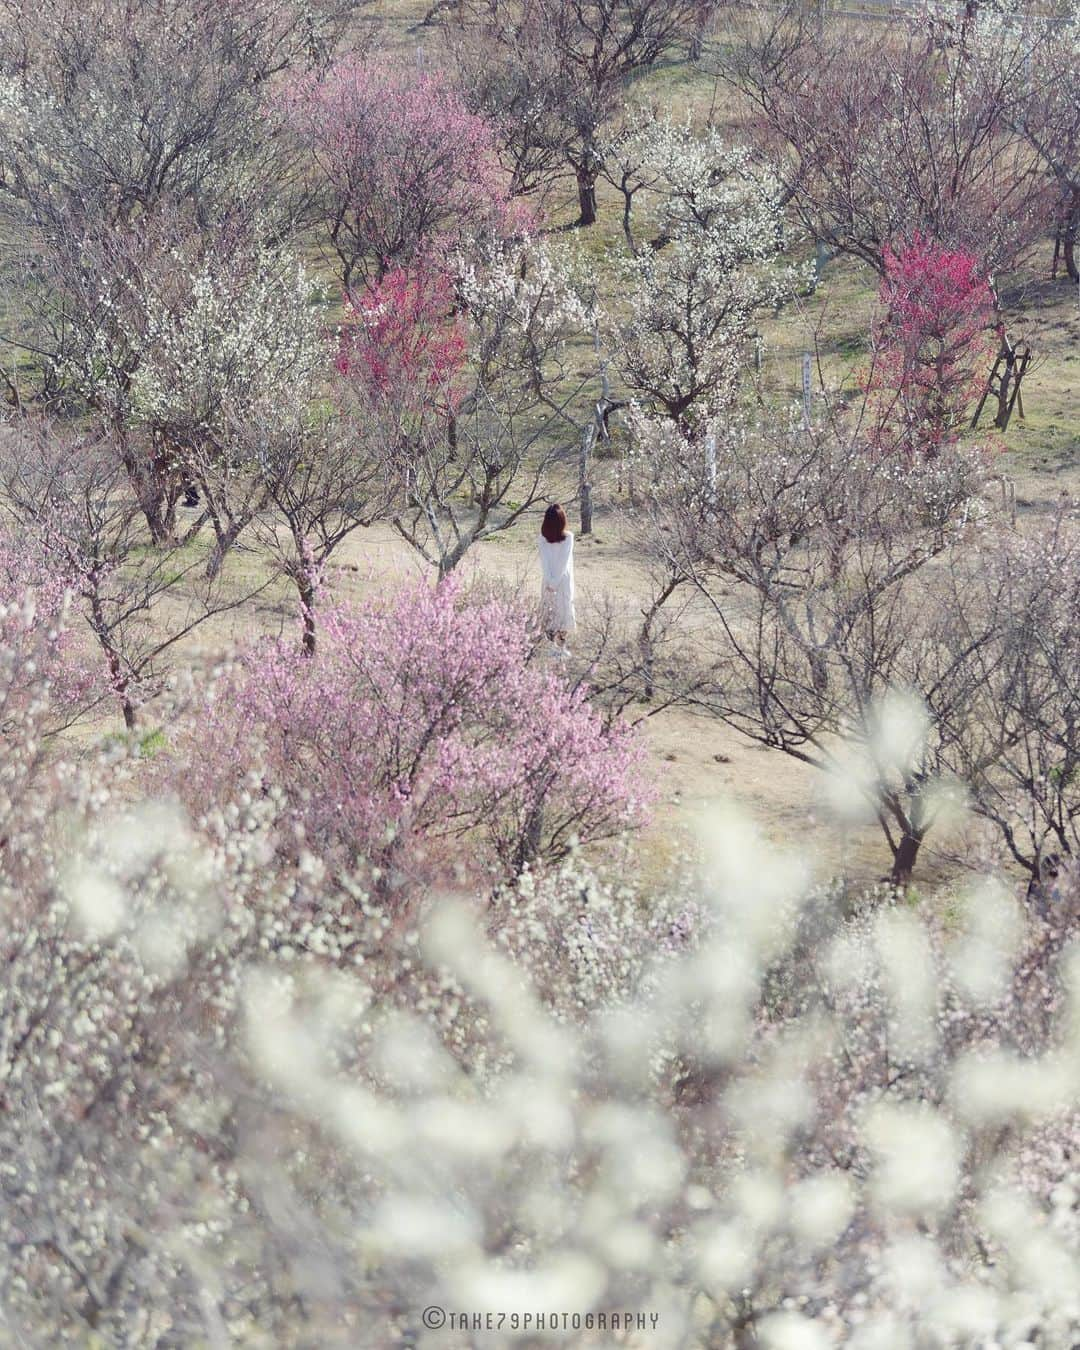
(554, 527)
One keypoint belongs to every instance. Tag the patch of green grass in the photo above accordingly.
(152, 743)
(853, 345)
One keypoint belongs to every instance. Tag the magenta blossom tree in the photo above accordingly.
(404, 166)
(932, 345)
(422, 739)
(402, 342)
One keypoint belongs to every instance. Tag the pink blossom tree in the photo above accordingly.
(46, 681)
(79, 533)
(932, 344)
(404, 165)
(420, 738)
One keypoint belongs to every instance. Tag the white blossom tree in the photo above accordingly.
(165, 334)
(108, 109)
(812, 558)
(694, 290)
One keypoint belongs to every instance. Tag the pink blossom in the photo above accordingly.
(422, 738)
(406, 168)
(403, 341)
(45, 673)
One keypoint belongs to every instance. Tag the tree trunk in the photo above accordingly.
(156, 502)
(161, 531)
(1001, 421)
(532, 836)
(586, 508)
(822, 257)
(584, 485)
(306, 587)
(1067, 236)
(117, 678)
(646, 648)
(586, 185)
(451, 438)
(156, 486)
(450, 558)
(127, 708)
(904, 857)
(627, 227)
(223, 541)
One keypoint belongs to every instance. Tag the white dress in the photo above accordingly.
(557, 587)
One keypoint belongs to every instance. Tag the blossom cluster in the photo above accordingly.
(389, 745)
(402, 341)
(405, 168)
(932, 344)
(240, 331)
(694, 293)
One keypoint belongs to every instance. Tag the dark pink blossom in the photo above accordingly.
(402, 341)
(932, 345)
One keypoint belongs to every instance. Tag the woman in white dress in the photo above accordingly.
(557, 569)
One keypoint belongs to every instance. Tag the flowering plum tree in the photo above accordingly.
(878, 133)
(392, 741)
(686, 341)
(694, 292)
(405, 168)
(131, 136)
(523, 100)
(168, 334)
(693, 182)
(1039, 65)
(932, 345)
(322, 474)
(914, 128)
(401, 341)
(1055, 131)
(226, 332)
(556, 71)
(810, 554)
(110, 110)
(78, 526)
(827, 1129)
(1014, 616)
(129, 942)
(471, 410)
